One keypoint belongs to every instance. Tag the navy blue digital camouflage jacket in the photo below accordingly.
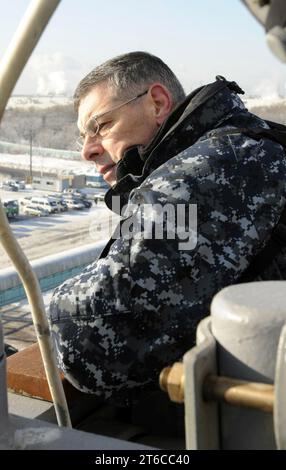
(135, 310)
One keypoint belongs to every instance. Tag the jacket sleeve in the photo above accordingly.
(126, 316)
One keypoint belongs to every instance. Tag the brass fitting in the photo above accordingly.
(172, 381)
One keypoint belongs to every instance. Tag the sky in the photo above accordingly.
(198, 39)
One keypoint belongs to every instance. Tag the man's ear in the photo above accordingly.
(162, 101)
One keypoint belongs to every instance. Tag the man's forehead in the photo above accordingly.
(97, 100)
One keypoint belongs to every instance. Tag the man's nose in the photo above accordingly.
(92, 148)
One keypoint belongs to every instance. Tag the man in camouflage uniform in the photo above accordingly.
(135, 310)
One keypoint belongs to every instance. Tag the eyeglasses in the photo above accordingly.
(93, 127)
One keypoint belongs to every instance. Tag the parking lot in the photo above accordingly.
(42, 236)
(23, 197)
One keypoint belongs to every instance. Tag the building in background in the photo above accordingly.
(59, 183)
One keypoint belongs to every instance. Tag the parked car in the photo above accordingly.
(62, 206)
(35, 210)
(74, 192)
(11, 208)
(78, 196)
(9, 187)
(25, 201)
(73, 203)
(87, 204)
(50, 206)
(99, 197)
(15, 183)
(19, 184)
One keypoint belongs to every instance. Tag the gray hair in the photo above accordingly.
(129, 74)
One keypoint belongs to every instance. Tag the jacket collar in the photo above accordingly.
(205, 108)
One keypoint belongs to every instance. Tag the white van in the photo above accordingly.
(45, 203)
(32, 209)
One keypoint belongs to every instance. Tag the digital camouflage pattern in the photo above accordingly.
(135, 310)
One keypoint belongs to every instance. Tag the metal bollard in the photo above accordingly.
(226, 380)
(246, 321)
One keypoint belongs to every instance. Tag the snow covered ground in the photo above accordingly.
(269, 101)
(42, 236)
(47, 164)
(22, 101)
(26, 101)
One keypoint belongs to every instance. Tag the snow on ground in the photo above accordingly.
(26, 101)
(269, 101)
(22, 101)
(43, 236)
(47, 164)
